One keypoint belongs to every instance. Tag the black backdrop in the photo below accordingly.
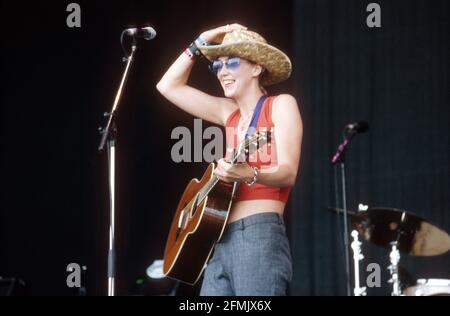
(396, 78)
(57, 82)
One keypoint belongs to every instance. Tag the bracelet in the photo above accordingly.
(189, 54)
(255, 176)
(192, 51)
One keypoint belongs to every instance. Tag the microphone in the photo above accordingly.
(147, 33)
(351, 129)
(357, 127)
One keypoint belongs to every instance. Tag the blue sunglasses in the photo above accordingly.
(232, 63)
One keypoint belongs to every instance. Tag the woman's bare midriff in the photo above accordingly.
(241, 209)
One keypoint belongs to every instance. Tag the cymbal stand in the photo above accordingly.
(357, 257)
(393, 268)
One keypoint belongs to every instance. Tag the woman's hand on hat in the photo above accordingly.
(216, 35)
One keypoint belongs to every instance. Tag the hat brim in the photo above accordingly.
(277, 65)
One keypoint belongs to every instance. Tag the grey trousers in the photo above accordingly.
(253, 258)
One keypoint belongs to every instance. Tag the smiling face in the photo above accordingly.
(236, 74)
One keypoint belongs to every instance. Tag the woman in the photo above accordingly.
(253, 256)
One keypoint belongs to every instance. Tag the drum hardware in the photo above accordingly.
(429, 287)
(394, 257)
(399, 232)
(357, 257)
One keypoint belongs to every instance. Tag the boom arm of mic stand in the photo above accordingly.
(341, 149)
(107, 130)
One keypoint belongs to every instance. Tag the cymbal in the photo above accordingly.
(415, 235)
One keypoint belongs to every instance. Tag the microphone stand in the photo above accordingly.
(109, 136)
(339, 157)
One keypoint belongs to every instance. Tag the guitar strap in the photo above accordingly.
(252, 127)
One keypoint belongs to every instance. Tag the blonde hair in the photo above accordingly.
(261, 87)
(263, 90)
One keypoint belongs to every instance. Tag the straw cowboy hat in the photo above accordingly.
(253, 47)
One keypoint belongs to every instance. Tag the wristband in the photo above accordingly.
(192, 51)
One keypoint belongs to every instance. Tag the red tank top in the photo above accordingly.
(266, 158)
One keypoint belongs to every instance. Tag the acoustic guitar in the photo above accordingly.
(201, 216)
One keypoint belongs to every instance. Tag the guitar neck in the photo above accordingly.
(244, 147)
(207, 188)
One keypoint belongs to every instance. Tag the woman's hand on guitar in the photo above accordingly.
(233, 173)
